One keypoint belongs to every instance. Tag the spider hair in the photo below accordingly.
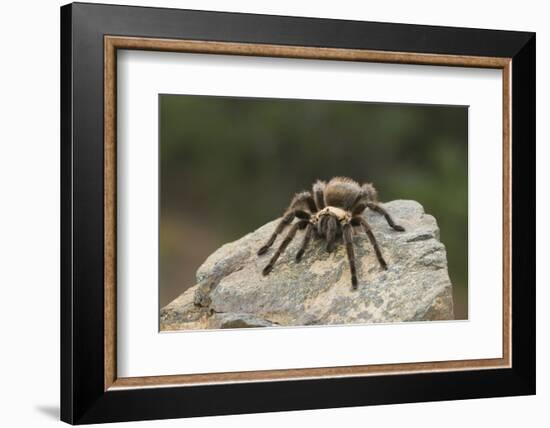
(330, 212)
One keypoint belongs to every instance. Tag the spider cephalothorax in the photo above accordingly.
(330, 212)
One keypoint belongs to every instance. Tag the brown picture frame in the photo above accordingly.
(114, 43)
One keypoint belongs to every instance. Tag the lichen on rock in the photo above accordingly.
(231, 291)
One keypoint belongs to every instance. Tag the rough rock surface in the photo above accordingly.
(232, 293)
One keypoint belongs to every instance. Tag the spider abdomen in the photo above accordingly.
(342, 192)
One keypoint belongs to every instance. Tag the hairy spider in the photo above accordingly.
(330, 212)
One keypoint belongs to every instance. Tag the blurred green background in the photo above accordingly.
(229, 165)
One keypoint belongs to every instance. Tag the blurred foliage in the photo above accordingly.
(229, 165)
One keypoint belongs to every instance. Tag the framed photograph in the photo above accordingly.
(265, 213)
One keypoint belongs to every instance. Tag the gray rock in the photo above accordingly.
(232, 292)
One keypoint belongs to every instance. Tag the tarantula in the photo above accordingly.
(330, 212)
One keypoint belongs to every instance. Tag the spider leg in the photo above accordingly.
(319, 194)
(359, 207)
(375, 207)
(322, 227)
(356, 221)
(348, 240)
(288, 238)
(370, 191)
(299, 200)
(305, 242)
(331, 231)
(363, 198)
